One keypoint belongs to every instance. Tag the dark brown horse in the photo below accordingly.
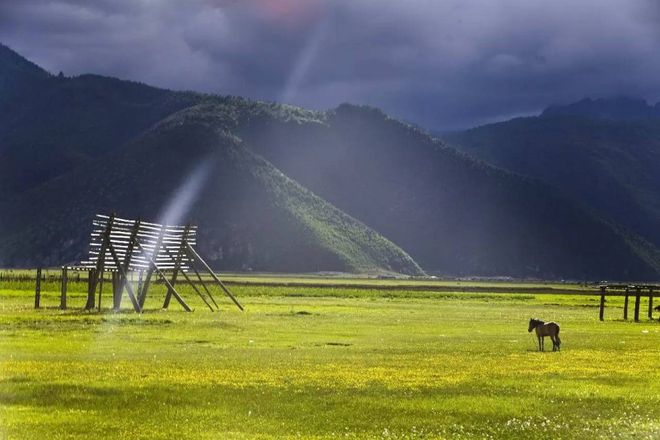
(544, 329)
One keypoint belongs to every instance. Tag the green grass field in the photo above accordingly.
(326, 362)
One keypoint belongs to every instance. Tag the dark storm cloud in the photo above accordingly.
(438, 63)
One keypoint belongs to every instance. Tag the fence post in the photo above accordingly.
(63, 291)
(638, 293)
(625, 306)
(37, 290)
(602, 302)
(650, 302)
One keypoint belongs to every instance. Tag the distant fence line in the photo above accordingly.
(56, 276)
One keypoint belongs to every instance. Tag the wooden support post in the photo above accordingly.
(638, 294)
(650, 313)
(151, 258)
(625, 305)
(100, 264)
(139, 288)
(129, 289)
(37, 290)
(602, 302)
(90, 286)
(201, 281)
(177, 265)
(217, 280)
(63, 290)
(100, 291)
(185, 275)
(162, 275)
(116, 291)
(122, 278)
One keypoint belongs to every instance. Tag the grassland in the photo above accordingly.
(326, 362)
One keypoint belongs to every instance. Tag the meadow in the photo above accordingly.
(326, 362)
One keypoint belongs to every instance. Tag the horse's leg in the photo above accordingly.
(539, 339)
(542, 343)
(554, 342)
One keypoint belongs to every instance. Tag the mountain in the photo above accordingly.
(249, 214)
(280, 188)
(616, 109)
(16, 76)
(50, 125)
(593, 151)
(454, 215)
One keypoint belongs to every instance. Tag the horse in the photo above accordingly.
(544, 329)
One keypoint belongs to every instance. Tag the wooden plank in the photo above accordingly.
(217, 280)
(124, 220)
(37, 290)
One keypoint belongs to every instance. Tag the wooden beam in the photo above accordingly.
(638, 294)
(90, 283)
(625, 305)
(37, 290)
(201, 281)
(185, 275)
(177, 264)
(174, 292)
(116, 291)
(63, 289)
(129, 289)
(217, 280)
(100, 264)
(152, 265)
(602, 302)
(650, 313)
(100, 291)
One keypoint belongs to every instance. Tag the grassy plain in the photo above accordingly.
(326, 362)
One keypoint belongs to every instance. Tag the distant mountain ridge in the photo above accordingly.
(617, 109)
(288, 189)
(602, 153)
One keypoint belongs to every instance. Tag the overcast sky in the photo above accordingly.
(439, 63)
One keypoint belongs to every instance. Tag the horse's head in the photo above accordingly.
(532, 324)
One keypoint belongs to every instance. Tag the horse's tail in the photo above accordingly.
(557, 336)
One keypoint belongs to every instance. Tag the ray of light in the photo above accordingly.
(186, 194)
(303, 63)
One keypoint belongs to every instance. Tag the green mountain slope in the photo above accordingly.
(609, 165)
(452, 214)
(250, 215)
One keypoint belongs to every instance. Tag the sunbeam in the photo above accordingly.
(186, 194)
(303, 63)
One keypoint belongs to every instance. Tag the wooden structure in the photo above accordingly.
(124, 247)
(626, 290)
